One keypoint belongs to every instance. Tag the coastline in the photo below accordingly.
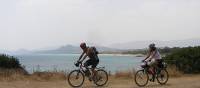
(135, 55)
(73, 54)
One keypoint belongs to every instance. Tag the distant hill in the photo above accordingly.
(114, 48)
(20, 51)
(144, 44)
(61, 50)
(5, 52)
(70, 49)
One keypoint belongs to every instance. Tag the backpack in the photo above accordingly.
(95, 50)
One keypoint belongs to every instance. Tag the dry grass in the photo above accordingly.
(125, 74)
(191, 81)
(173, 72)
(48, 76)
(12, 74)
(17, 74)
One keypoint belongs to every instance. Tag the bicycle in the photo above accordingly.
(76, 78)
(160, 73)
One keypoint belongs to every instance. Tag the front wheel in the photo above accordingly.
(76, 78)
(162, 77)
(141, 78)
(101, 77)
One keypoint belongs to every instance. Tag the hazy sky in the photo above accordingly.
(33, 24)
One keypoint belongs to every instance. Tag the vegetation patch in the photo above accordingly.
(185, 59)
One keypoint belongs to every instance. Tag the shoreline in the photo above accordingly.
(120, 55)
(104, 54)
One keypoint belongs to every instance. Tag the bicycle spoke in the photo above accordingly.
(141, 78)
(76, 78)
(162, 78)
(101, 78)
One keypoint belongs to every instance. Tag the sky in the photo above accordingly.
(34, 24)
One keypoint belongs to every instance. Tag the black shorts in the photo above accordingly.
(91, 62)
(160, 63)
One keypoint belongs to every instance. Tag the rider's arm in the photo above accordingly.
(148, 55)
(153, 54)
(81, 56)
(86, 54)
(84, 58)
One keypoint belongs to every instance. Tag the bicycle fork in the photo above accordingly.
(77, 75)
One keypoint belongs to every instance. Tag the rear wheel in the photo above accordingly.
(141, 78)
(76, 78)
(101, 78)
(162, 77)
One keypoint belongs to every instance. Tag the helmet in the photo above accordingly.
(83, 45)
(152, 45)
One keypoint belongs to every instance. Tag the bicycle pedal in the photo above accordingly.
(90, 79)
(152, 80)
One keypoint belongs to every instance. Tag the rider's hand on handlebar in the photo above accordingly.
(143, 60)
(77, 63)
(149, 60)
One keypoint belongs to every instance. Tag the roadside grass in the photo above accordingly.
(128, 74)
(174, 72)
(18, 74)
(48, 76)
(12, 74)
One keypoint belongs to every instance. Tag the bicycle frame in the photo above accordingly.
(81, 67)
(83, 73)
(146, 69)
(155, 75)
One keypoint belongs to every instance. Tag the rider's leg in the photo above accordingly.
(153, 68)
(86, 65)
(93, 72)
(159, 65)
(93, 68)
(94, 65)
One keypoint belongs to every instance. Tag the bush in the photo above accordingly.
(186, 59)
(9, 62)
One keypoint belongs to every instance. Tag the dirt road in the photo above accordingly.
(187, 81)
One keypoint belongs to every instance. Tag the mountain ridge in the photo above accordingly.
(159, 43)
(118, 47)
(70, 49)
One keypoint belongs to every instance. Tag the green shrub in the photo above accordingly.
(186, 59)
(9, 62)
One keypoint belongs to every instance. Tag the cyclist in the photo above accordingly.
(153, 59)
(93, 60)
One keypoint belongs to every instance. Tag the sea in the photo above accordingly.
(65, 62)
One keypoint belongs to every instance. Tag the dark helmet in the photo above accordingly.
(83, 45)
(152, 45)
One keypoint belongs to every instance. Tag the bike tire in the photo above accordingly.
(159, 75)
(105, 79)
(145, 81)
(78, 73)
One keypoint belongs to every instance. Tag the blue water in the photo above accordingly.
(65, 62)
